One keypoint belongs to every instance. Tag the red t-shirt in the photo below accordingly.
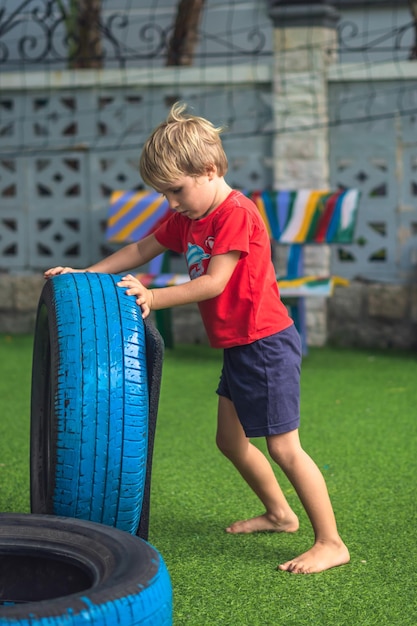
(249, 307)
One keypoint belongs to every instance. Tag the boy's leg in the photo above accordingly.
(328, 550)
(257, 472)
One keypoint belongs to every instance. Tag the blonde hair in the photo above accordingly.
(182, 145)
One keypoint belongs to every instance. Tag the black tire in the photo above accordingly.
(89, 402)
(154, 362)
(56, 571)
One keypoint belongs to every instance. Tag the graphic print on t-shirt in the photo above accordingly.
(195, 256)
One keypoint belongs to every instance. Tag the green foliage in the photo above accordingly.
(358, 423)
(70, 19)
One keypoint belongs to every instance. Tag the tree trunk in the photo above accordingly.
(185, 36)
(89, 53)
(413, 9)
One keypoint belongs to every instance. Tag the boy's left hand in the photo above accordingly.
(144, 297)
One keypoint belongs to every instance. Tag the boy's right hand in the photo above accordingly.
(55, 271)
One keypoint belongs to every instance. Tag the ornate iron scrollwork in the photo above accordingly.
(35, 31)
(353, 40)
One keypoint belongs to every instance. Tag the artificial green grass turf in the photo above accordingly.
(358, 423)
(15, 374)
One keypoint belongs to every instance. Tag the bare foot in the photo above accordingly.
(265, 523)
(320, 557)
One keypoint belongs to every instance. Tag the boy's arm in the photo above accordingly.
(210, 285)
(127, 258)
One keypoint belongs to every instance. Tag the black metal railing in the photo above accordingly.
(37, 32)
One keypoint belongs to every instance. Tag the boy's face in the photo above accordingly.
(193, 196)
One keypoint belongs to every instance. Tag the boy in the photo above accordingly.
(227, 250)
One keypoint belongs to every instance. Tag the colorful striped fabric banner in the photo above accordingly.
(308, 216)
(135, 214)
(303, 216)
(322, 286)
(303, 286)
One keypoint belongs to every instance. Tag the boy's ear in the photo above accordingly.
(211, 170)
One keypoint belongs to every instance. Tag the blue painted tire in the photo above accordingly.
(56, 571)
(89, 402)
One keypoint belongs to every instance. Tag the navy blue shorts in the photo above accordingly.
(262, 379)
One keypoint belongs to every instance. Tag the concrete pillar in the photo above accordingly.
(305, 41)
(304, 46)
